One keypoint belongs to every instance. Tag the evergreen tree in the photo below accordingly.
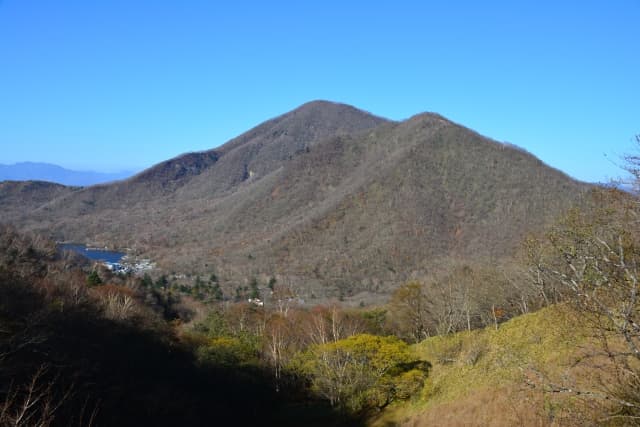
(162, 282)
(94, 279)
(146, 281)
(217, 292)
(255, 292)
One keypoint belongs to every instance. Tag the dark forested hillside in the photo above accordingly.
(74, 354)
(326, 197)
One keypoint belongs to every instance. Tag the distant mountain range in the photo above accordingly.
(32, 171)
(327, 198)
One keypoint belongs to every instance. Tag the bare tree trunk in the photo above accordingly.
(495, 318)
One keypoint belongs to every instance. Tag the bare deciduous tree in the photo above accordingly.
(592, 258)
(33, 404)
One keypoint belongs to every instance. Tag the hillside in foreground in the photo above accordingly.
(534, 370)
(72, 354)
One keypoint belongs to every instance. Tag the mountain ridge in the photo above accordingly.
(38, 171)
(328, 198)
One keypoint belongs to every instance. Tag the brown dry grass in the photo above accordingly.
(498, 407)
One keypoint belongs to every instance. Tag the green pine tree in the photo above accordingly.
(93, 279)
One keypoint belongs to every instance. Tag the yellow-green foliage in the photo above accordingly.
(362, 371)
(228, 351)
(216, 344)
(546, 341)
(474, 374)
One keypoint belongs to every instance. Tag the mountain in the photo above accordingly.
(327, 198)
(18, 198)
(30, 171)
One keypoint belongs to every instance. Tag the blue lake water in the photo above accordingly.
(93, 254)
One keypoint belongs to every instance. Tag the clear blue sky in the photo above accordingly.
(119, 84)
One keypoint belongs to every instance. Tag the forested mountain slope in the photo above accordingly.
(326, 197)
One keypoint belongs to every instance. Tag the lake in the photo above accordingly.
(111, 257)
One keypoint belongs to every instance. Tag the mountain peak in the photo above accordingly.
(429, 117)
(332, 110)
(321, 103)
(266, 147)
(325, 196)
